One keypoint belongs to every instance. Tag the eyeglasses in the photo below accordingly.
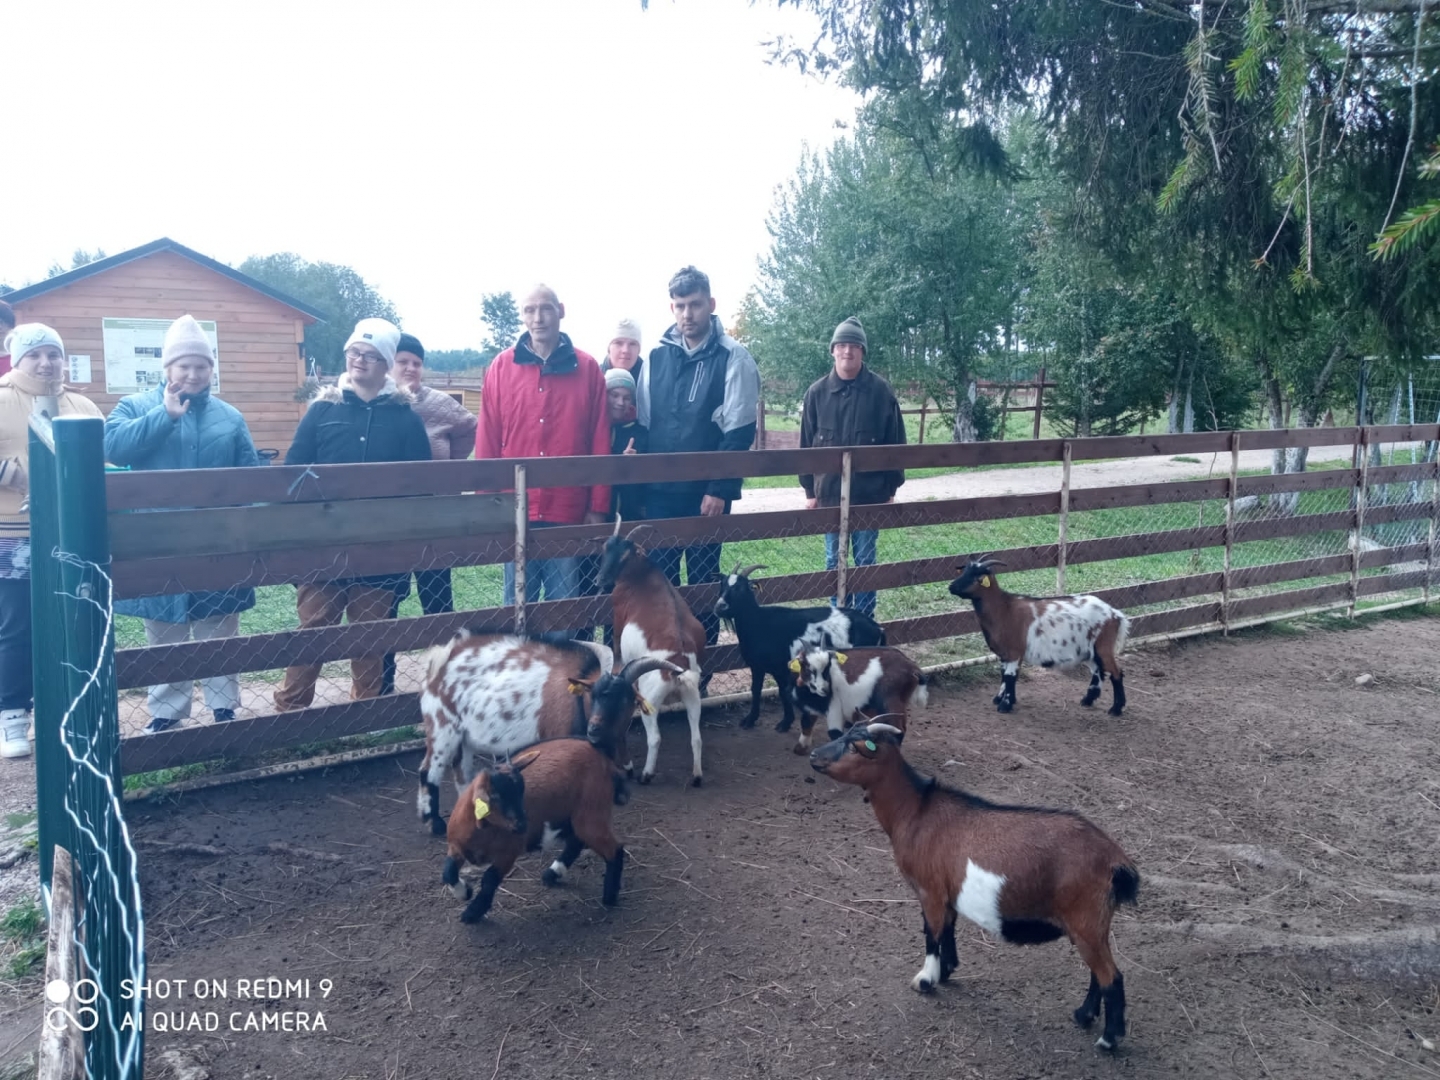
(356, 354)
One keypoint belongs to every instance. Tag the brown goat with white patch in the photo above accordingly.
(556, 789)
(651, 620)
(496, 693)
(845, 686)
(1025, 874)
(1052, 631)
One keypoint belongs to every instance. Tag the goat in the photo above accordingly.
(560, 789)
(496, 693)
(771, 635)
(1025, 874)
(842, 686)
(651, 620)
(1052, 631)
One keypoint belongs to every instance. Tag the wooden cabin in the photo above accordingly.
(112, 316)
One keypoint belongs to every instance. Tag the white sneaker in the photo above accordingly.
(16, 726)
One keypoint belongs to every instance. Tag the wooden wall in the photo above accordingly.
(260, 361)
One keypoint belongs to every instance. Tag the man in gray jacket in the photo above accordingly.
(851, 406)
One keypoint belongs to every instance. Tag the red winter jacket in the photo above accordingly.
(549, 408)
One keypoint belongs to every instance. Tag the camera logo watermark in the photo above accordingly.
(60, 1014)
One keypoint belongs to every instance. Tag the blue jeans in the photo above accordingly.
(559, 578)
(702, 561)
(862, 546)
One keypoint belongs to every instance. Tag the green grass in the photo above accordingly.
(23, 929)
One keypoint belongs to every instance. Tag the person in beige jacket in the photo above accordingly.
(38, 356)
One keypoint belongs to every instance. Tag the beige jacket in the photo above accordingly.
(450, 426)
(18, 392)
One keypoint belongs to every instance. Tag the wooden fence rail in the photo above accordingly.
(221, 528)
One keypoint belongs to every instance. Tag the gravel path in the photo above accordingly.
(1020, 481)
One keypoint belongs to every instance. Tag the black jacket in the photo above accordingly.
(700, 402)
(860, 412)
(628, 500)
(340, 428)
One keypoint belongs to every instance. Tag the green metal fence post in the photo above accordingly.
(48, 653)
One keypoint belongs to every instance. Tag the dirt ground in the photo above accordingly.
(1285, 823)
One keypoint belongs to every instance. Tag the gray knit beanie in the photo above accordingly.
(850, 330)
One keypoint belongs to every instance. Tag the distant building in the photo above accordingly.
(112, 315)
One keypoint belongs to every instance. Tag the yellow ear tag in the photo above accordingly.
(645, 706)
(985, 582)
(577, 689)
(481, 809)
(841, 657)
(795, 666)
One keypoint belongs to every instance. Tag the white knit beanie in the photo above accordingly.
(27, 337)
(627, 328)
(382, 336)
(186, 338)
(617, 376)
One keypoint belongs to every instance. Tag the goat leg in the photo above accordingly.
(556, 872)
(1090, 1007)
(1097, 674)
(480, 905)
(949, 957)
(757, 683)
(787, 701)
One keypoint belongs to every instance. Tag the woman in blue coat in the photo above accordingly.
(182, 426)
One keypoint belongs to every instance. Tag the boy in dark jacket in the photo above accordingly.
(627, 436)
(364, 417)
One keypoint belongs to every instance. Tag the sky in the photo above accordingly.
(443, 150)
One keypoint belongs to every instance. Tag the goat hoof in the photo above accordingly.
(437, 826)
(1115, 710)
(800, 748)
(1084, 1017)
(784, 725)
(467, 916)
(995, 700)
(695, 782)
(922, 985)
(749, 721)
(550, 878)
(1106, 1044)
(646, 777)
(1005, 706)
(1087, 701)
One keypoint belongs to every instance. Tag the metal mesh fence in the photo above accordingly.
(1152, 534)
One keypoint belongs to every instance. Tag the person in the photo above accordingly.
(851, 406)
(451, 428)
(181, 425)
(698, 391)
(627, 436)
(39, 372)
(624, 349)
(546, 398)
(7, 324)
(364, 417)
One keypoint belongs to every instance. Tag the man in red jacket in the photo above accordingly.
(546, 398)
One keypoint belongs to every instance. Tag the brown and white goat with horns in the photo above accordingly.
(1026, 875)
(1052, 631)
(652, 621)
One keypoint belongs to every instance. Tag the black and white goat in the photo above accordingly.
(772, 635)
(845, 687)
(1052, 631)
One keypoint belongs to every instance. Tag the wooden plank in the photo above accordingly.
(228, 530)
(144, 753)
(673, 532)
(952, 511)
(1315, 480)
(952, 455)
(1298, 525)
(1289, 600)
(1249, 577)
(1107, 498)
(1399, 474)
(1137, 544)
(62, 1046)
(1276, 438)
(1384, 513)
(1163, 591)
(1392, 433)
(1409, 579)
(1393, 556)
(1167, 622)
(1118, 446)
(931, 627)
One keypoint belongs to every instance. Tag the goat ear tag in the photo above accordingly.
(645, 706)
(985, 582)
(841, 657)
(577, 689)
(481, 809)
(795, 666)
(870, 744)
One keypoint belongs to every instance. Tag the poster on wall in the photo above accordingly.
(132, 354)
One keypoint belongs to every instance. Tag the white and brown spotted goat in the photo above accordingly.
(1052, 631)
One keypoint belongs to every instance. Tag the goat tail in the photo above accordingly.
(1124, 884)
(922, 691)
(1123, 633)
(435, 661)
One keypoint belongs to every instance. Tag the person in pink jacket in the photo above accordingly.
(546, 398)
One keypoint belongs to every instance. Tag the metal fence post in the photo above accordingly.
(1064, 529)
(1225, 582)
(842, 560)
(522, 529)
(48, 653)
(1434, 525)
(1362, 455)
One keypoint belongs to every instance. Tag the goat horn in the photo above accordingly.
(646, 664)
(617, 526)
(749, 569)
(638, 528)
(994, 562)
(876, 728)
